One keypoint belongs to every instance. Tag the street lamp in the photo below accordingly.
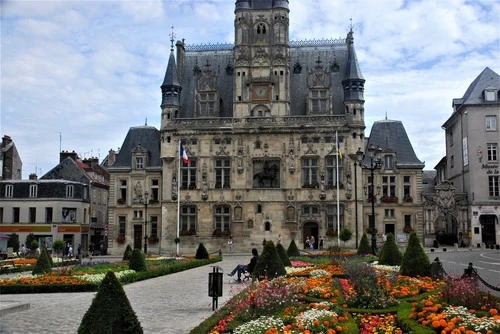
(358, 158)
(146, 202)
(374, 156)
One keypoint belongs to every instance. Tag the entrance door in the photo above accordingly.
(138, 236)
(310, 230)
(389, 228)
(488, 230)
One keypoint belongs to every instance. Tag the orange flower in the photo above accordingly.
(493, 311)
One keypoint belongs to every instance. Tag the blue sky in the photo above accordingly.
(87, 71)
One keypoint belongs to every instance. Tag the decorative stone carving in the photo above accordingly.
(174, 188)
(204, 185)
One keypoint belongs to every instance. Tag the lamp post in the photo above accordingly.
(146, 202)
(374, 156)
(358, 158)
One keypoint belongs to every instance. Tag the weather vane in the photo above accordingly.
(351, 26)
(172, 37)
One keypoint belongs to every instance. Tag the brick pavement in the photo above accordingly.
(172, 304)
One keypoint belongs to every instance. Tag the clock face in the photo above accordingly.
(260, 92)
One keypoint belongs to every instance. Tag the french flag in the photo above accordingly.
(183, 154)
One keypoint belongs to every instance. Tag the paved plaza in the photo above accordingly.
(172, 304)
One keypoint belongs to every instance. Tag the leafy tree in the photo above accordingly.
(29, 241)
(201, 252)
(137, 260)
(127, 253)
(345, 235)
(34, 245)
(42, 265)
(292, 249)
(110, 311)
(364, 246)
(415, 262)
(283, 255)
(390, 254)
(269, 264)
(58, 246)
(13, 242)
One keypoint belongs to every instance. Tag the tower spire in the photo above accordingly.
(172, 38)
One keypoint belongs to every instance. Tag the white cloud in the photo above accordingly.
(92, 69)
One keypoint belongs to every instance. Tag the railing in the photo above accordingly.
(303, 43)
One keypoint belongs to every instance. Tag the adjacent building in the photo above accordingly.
(11, 166)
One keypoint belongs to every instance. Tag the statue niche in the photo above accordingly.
(266, 174)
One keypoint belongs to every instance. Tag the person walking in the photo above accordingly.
(306, 246)
(230, 244)
(321, 242)
(311, 242)
(241, 268)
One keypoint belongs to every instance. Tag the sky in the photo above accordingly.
(76, 75)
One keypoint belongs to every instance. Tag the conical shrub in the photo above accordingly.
(201, 252)
(283, 256)
(137, 260)
(415, 262)
(42, 265)
(364, 246)
(269, 264)
(127, 253)
(110, 311)
(390, 254)
(292, 249)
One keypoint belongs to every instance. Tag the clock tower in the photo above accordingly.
(261, 58)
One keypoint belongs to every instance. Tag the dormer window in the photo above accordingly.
(319, 101)
(389, 161)
(490, 94)
(139, 162)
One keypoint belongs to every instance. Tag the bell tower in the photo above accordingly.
(262, 58)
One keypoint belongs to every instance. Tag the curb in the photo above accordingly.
(9, 306)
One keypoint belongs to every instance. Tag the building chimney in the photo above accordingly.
(66, 154)
(111, 158)
(33, 176)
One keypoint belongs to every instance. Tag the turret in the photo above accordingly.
(353, 83)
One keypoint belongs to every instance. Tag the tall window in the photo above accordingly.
(188, 220)
(188, 175)
(49, 213)
(493, 186)
(261, 29)
(490, 123)
(1, 215)
(122, 224)
(388, 161)
(9, 190)
(407, 219)
(331, 217)
(32, 215)
(15, 215)
(122, 190)
(310, 172)
(154, 226)
(139, 162)
(222, 173)
(388, 186)
(492, 152)
(407, 186)
(207, 103)
(69, 191)
(33, 190)
(310, 210)
(319, 101)
(331, 171)
(389, 213)
(222, 217)
(155, 190)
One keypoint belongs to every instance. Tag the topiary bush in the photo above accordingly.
(110, 311)
(13, 242)
(283, 255)
(42, 265)
(390, 254)
(29, 241)
(58, 246)
(201, 252)
(137, 260)
(127, 253)
(415, 262)
(345, 235)
(364, 246)
(269, 264)
(293, 249)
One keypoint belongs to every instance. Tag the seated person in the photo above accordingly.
(240, 268)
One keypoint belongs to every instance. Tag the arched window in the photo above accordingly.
(261, 29)
(267, 226)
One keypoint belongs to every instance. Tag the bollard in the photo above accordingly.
(444, 249)
(215, 286)
(432, 250)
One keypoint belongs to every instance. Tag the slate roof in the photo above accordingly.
(474, 94)
(67, 170)
(148, 137)
(428, 181)
(391, 135)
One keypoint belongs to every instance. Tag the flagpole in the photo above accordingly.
(178, 194)
(338, 203)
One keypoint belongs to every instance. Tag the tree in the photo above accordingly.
(364, 246)
(127, 253)
(29, 241)
(345, 235)
(292, 249)
(42, 265)
(283, 256)
(201, 252)
(390, 254)
(13, 242)
(110, 311)
(269, 264)
(58, 246)
(415, 262)
(137, 260)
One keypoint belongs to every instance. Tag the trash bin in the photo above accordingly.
(215, 285)
(436, 245)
